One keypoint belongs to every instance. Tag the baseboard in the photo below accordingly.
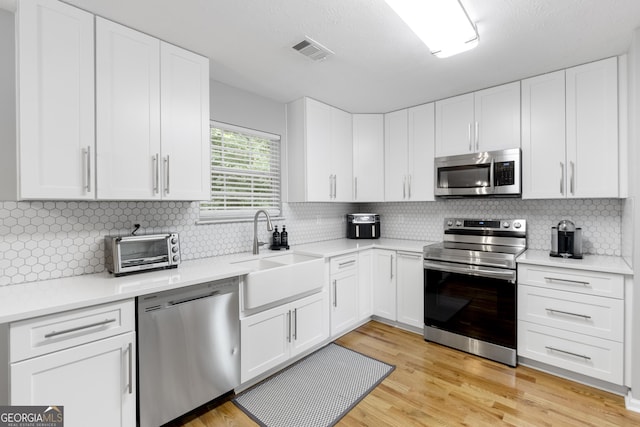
(631, 403)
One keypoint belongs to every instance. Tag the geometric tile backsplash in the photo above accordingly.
(43, 240)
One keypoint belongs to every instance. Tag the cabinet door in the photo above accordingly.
(592, 129)
(454, 122)
(497, 118)
(368, 157)
(264, 341)
(341, 155)
(384, 284)
(344, 301)
(410, 282)
(396, 150)
(128, 113)
(56, 101)
(310, 322)
(94, 382)
(186, 148)
(318, 155)
(421, 141)
(365, 284)
(543, 137)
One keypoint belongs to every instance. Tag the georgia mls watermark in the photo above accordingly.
(31, 416)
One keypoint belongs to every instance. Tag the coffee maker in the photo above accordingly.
(566, 240)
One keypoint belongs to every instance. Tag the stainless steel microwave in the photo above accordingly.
(133, 254)
(491, 173)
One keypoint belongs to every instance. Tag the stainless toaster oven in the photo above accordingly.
(133, 254)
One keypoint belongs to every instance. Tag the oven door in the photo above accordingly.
(474, 302)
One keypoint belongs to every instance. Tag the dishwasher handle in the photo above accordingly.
(189, 299)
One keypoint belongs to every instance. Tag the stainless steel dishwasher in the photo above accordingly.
(188, 349)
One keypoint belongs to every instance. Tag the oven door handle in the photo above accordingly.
(472, 270)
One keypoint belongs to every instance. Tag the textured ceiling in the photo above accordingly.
(379, 65)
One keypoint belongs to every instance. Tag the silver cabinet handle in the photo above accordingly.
(477, 135)
(335, 293)
(562, 178)
(567, 281)
(289, 326)
(346, 263)
(469, 138)
(572, 182)
(295, 324)
(391, 267)
(156, 173)
(568, 352)
(167, 173)
(404, 187)
(335, 186)
(130, 355)
(409, 185)
(355, 188)
(553, 311)
(87, 154)
(409, 255)
(79, 328)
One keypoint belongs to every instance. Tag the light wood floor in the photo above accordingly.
(437, 386)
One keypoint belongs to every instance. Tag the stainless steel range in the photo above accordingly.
(470, 286)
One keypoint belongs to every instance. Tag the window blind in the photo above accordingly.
(245, 174)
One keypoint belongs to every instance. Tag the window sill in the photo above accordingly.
(209, 221)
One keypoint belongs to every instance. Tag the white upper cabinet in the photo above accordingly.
(320, 152)
(368, 157)
(409, 147)
(128, 112)
(570, 133)
(55, 100)
(152, 118)
(592, 129)
(184, 129)
(485, 120)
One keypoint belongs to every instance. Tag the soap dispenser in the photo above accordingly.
(276, 238)
(284, 237)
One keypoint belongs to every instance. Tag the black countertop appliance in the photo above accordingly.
(363, 226)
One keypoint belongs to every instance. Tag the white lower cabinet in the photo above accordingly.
(72, 360)
(410, 292)
(572, 319)
(365, 280)
(272, 337)
(343, 279)
(384, 284)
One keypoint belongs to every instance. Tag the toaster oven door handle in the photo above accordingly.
(142, 238)
(472, 270)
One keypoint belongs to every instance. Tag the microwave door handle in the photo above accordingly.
(491, 181)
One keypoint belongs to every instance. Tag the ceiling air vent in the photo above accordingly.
(312, 49)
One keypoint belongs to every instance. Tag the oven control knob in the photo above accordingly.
(174, 240)
(517, 225)
(450, 223)
(458, 223)
(176, 258)
(174, 249)
(505, 224)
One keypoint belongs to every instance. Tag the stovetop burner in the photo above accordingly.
(493, 242)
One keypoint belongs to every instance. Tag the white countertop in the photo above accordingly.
(601, 263)
(23, 301)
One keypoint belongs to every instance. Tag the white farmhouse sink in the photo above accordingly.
(281, 277)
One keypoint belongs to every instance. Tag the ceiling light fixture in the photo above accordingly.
(443, 25)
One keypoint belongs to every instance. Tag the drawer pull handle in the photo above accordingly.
(79, 328)
(346, 263)
(570, 282)
(568, 352)
(553, 311)
(130, 355)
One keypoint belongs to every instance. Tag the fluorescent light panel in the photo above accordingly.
(443, 25)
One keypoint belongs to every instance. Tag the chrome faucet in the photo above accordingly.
(256, 244)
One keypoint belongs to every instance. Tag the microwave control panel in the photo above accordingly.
(504, 173)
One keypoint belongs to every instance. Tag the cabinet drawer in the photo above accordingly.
(585, 282)
(586, 314)
(343, 263)
(583, 354)
(42, 335)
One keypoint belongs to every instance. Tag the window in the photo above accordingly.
(245, 173)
